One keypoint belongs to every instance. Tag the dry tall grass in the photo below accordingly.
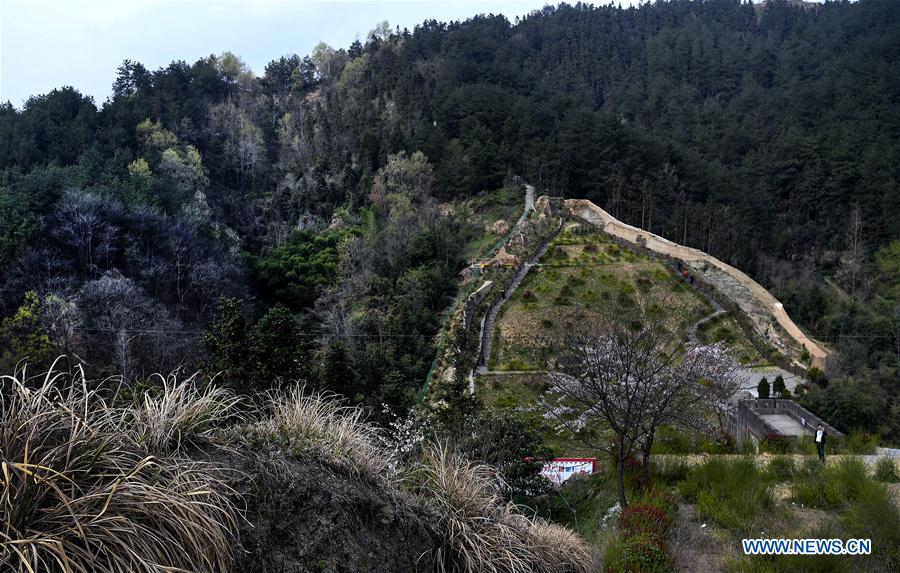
(486, 534)
(181, 413)
(323, 424)
(82, 489)
(79, 495)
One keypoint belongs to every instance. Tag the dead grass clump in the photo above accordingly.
(560, 548)
(486, 534)
(78, 495)
(324, 425)
(180, 414)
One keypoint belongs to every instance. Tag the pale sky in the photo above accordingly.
(47, 44)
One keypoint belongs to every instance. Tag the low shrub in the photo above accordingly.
(829, 487)
(874, 515)
(860, 442)
(747, 448)
(580, 503)
(886, 470)
(644, 529)
(638, 553)
(806, 447)
(775, 444)
(732, 492)
(614, 556)
(816, 376)
(671, 440)
(644, 519)
(781, 468)
(647, 554)
(805, 563)
(515, 365)
(808, 467)
(668, 470)
(720, 446)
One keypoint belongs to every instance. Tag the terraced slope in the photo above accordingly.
(767, 313)
(582, 272)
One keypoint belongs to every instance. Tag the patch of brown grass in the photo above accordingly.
(486, 534)
(78, 494)
(322, 423)
(182, 413)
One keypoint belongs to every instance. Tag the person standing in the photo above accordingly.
(820, 442)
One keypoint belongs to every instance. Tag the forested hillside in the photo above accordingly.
(292, 224)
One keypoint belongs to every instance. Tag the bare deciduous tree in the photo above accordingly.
(627, 372)
(81, 226)
(135, 333)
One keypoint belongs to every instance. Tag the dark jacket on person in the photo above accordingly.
(824, 436)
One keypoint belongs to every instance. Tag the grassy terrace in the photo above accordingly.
(726, 329)
(582, 271)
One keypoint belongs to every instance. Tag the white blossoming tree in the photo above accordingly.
(623, 374)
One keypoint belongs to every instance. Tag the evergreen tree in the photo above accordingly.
(762, 389)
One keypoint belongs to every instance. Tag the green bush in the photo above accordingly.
(725, 334)
(808, 447)
(644, 284)
(734, 493)
(614, 557)
(721, 446)
(762, 389)
(781, 468)
(671, 440)
(647, 554)
(830, 487)
(886, 470)
(790, 564)
(669, 470)
(794, 563)
(874, 515)
(815, 375)
(748, 448)
(575, 281)
(809, 467)
(775, 444)
(860, 442)
(515, 365)
(645, 519)
(644, 528)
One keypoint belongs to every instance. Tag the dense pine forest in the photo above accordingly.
(289, 223)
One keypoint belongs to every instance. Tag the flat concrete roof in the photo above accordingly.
(786, 425)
